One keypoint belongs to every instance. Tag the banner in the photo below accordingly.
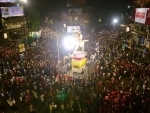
(75, 11)
(9, 1)
(140, 15)
(21, 48)
(12, 11)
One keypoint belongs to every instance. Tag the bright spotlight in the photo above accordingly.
(115, 21)
(69, 42)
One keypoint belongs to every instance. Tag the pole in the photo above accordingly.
(70, 63)
(58, 52)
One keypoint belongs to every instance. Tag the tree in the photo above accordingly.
(34, 20)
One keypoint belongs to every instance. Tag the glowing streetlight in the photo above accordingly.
(129, 6)
(69, 42)
(115, 21)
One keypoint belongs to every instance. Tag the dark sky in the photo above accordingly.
(45, 6)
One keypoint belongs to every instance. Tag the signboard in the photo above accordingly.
(73, 29)
(140, 15)
(9, 1)
(21, 48)
(75, 11)
(12, 11)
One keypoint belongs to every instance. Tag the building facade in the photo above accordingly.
(138, 41)
(14, 25)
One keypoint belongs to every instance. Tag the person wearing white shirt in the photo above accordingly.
(10, 102)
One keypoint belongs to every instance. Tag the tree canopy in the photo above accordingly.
(34, 20)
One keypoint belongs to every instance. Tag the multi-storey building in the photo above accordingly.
(14, 25)
(139, 39)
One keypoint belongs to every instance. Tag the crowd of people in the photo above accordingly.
(115, 85)
(48, 33)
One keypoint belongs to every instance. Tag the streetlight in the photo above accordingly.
(115, 21)
(69, 42)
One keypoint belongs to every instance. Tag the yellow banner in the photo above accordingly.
(79, 63)
(21, 48)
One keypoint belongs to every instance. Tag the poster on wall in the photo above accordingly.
(12, 11)
(140, 15)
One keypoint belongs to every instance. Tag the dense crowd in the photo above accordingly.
(115, 85)
(48, 33)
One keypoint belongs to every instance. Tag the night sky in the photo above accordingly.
(45, 6)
